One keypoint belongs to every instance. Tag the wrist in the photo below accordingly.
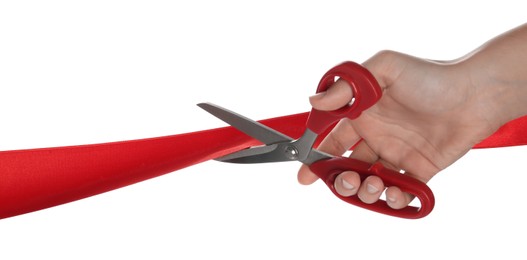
(498, 73)
(500, 89)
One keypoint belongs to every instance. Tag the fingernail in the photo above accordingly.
(372, 189)
(347, 185)
(391, 199)
(317, 96)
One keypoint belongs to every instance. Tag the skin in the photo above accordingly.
(430, 115)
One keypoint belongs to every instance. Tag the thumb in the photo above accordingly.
(385, 66)
(334, 98)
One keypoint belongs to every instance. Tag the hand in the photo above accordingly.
(431, 113)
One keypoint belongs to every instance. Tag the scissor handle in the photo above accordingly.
(366, 92)
(327, 170)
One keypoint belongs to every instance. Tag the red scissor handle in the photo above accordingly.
(327, 170)
(365, 89)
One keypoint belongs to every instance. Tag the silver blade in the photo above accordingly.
(257, 154)
(271, 153)
(278, 148)
(250, 127)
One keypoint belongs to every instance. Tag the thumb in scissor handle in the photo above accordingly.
(365, 88)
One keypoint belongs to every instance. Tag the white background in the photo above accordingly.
(79, 72)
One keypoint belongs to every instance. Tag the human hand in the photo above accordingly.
(431, 113)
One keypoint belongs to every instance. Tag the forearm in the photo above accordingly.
(498, 71)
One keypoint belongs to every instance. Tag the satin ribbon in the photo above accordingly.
(36, 179)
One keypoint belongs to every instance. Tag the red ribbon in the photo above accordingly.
(513, 133)
(35, 179)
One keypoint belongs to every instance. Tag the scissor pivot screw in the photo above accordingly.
(291, 152)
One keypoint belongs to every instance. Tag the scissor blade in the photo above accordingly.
(250, 127)
(258, 154)
(271, 153)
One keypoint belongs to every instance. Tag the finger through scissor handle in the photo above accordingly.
(327, 170)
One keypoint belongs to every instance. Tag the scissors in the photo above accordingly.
(279, 147)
